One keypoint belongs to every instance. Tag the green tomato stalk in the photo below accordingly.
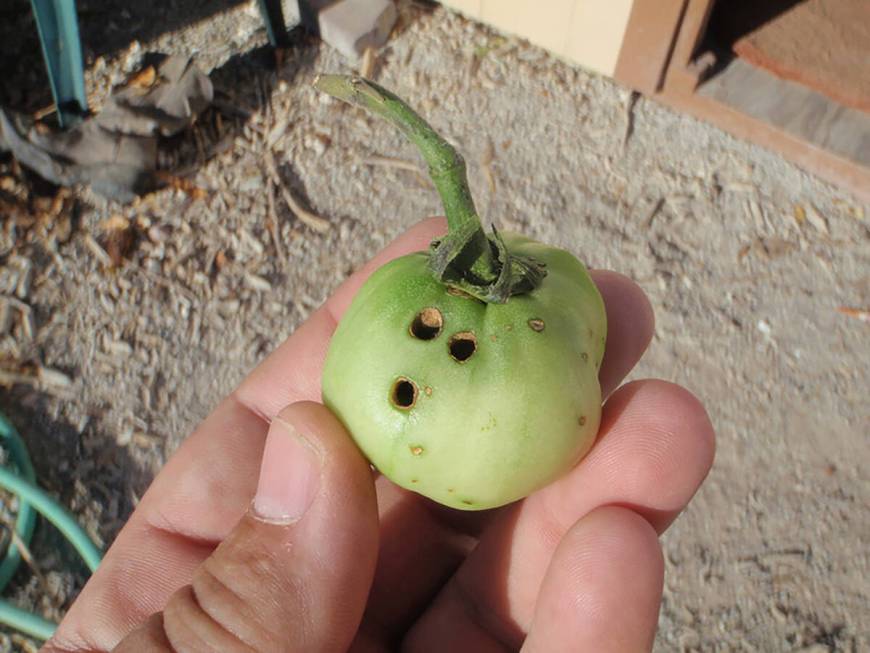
(466, 258)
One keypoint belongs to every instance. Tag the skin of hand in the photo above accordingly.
(268, 531)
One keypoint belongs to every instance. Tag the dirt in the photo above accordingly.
(824, 44)
(747, 259)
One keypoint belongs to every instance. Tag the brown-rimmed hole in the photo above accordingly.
(404, 393)
(427, 324)
(462, 345)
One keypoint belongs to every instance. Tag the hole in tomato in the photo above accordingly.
(404, 393)
(462, 345)
(427, 324)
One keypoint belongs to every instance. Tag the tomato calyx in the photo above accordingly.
(517, 275)
(466, 258)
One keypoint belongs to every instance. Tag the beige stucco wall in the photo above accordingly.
(588, 32)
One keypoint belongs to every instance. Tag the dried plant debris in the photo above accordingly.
(118, 239)
(116, 151)
(862, 314)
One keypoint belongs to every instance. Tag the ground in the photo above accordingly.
(745, 257)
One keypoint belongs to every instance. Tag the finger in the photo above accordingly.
(655, 447)
(603, 587)
(294, 573)
(630, 326)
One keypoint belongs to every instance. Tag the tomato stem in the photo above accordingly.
(466, 257)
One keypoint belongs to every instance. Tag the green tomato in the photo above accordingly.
(471, 404)
(468, 373)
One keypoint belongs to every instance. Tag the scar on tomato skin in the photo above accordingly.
(467, 502)
(584, 356)
(582, 420)
(415, 480)
(509, 327)
(416, 450)
(493, 337)
(428, 391)
(536, 324)
(451, 490)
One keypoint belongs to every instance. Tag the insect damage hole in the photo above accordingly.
(427, 324)
(404, 393)
(462, 345)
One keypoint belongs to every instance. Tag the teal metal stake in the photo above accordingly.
(62, 50)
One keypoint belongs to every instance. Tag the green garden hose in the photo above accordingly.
(19, 478)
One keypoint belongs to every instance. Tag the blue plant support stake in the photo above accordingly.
(59, 35)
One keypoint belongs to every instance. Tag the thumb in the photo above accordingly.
(295, 573)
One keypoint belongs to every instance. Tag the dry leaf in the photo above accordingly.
(184, 185)
(144, 79)
(118, 239)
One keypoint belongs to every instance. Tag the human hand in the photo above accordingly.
(323, 555)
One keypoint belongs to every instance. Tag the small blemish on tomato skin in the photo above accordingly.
(582, 420)
(416, 450)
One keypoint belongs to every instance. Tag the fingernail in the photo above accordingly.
(289, 475)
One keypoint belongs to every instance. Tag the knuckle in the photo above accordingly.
(190, 628)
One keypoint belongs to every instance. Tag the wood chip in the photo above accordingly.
(276, 133)
(800, 214)
(656, 209)
(182, 184)
(367, 65)
(309, 219)
(55, 378)
(486, 161)
(630, 103)
(26, 555)
(97, 250)
(862, 314)
(272, 221)
(257, 282)
(400, 164)
(817, 220)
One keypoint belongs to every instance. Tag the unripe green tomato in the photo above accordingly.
(471, 404)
